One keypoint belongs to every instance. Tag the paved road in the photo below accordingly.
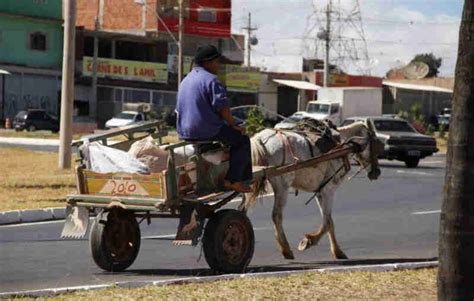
(392, 218)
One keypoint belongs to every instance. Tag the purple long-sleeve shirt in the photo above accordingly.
(201, 96)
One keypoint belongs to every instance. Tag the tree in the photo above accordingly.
(431, 60)
(456, 243)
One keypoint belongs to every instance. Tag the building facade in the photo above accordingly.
(31, 41)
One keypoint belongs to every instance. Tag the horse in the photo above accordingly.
(272, 147)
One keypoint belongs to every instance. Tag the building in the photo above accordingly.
(431, 94)
(31, 44)
(133, 39)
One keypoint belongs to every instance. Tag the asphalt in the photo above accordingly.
(394, 219)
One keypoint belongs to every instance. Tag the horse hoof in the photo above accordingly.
(288, 255)
(304, 244)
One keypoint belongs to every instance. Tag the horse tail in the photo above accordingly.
(259, 158)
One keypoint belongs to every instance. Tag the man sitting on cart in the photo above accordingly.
(203, 114)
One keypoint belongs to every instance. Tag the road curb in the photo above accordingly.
(32, 215)
(190, 280)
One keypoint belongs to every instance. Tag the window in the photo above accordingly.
(38, 41)
(207, 15)
(136, 96)
(334, 109)
(392, 126)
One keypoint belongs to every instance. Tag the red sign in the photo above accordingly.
(210, 18)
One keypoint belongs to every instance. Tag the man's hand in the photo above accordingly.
(240, 129)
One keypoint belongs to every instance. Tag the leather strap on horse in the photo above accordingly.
(346, 165)
(286, 144)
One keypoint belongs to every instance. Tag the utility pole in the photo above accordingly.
(327, 39)
(456, 235)
(249, 29)
(93, 108)
(180, 42)
(67, 85)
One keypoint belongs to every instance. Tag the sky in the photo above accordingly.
(394, 30)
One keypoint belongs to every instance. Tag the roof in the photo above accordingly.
(355, 88)
(416, 87)
(298, 84)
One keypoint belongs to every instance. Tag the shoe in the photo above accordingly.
(237, 186)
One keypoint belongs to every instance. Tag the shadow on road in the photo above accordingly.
(293, 266)
(391, 166)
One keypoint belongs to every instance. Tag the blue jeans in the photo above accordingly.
(240, 162)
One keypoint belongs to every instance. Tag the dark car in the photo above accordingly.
(33, 120)
(402, 141)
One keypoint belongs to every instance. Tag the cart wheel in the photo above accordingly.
(228, 241)
(115, 242)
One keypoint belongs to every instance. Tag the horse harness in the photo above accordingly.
(322, 136)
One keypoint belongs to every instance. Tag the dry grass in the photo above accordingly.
(442, 144)
(417, 284)
(32, 180)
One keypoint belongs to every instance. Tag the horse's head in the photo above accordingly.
(370, 146)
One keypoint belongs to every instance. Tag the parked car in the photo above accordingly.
(402, 141)
(32, 120)
(125, 118)
(291, 121)
(443, 120)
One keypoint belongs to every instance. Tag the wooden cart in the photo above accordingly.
(190, 192)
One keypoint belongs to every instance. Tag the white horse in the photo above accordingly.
(270, 148)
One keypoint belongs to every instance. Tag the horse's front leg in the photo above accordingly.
(325, 200)
(281, 195)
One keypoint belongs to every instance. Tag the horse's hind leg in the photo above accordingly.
(281, 194)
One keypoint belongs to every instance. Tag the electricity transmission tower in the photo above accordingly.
(338, 26)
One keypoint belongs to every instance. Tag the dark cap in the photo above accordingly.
(206, 53)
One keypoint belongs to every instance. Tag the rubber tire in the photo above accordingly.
(99, 249)
(214, 236)
(31, 128)
(412, 162)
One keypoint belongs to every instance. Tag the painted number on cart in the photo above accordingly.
(122, 187)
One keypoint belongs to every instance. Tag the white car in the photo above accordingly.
(125, 118)
(291, 121)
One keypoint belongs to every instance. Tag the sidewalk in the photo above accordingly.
(51, 145)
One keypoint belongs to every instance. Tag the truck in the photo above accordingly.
(336, 104)
(131, 113)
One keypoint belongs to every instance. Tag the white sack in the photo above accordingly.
(105, 159)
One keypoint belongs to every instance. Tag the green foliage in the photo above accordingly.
(432, 61)
(415, 113)
(255, 121)
(430, 130)
(415, 118)
(442, 131)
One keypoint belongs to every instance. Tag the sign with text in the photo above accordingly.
(238, 78)
(128, 70)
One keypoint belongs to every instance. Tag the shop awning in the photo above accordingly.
(416, 87)
(4, 71)
(298, 84)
